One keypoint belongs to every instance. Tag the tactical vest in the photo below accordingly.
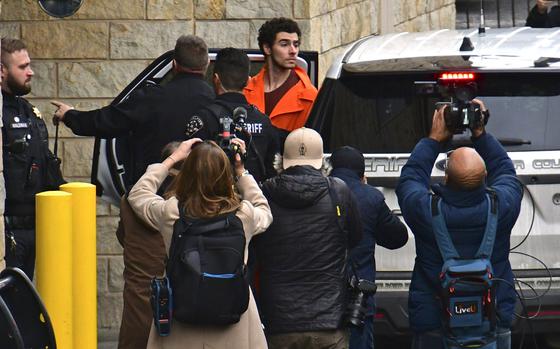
(25, 145)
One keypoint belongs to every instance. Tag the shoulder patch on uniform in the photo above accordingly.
(194, 125)
(37, 112)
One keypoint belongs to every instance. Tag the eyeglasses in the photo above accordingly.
(447, 156)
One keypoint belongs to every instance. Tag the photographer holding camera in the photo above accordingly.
(230, 115)
(480, 184)
(204, 192)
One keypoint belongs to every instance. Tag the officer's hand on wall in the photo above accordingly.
(439, 130)
(61, 109)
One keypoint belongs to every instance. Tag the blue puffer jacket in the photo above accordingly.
(465, 214)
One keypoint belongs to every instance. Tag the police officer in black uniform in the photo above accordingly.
(25, 150)
(231, 72)
(154, 115)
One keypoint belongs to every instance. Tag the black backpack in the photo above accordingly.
(206, 270)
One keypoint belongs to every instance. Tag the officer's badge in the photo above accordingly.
(37, 112)
(194, 125)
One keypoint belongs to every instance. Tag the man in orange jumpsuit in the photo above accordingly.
(281, 89)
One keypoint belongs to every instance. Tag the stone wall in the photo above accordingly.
(86, 59)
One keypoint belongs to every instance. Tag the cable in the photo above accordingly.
(545, 268)
(525, 188)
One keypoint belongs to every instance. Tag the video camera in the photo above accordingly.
(360, 290)
(461, 112)
(237, 124)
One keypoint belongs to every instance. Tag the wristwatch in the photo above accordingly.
(244, 173)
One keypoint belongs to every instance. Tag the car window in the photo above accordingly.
(393, 113)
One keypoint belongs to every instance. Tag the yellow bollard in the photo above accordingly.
(54, 260)
(85, 264)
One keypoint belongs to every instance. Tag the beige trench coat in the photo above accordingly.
(161, 214)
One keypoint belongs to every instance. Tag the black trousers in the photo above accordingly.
(22, 253)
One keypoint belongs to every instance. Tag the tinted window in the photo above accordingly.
(379, 114)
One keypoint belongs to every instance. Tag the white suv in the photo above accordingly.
(380, 96)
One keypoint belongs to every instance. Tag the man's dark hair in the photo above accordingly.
(191, 52)
(232, 66)
(268, 31)
(10, 46)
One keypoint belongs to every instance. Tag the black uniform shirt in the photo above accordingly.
(25, 148)
(205, 124)
(151, 117)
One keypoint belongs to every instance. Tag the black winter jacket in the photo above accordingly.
(147, 120)
(302, 256)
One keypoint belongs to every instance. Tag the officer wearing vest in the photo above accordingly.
(25, 150)
(231, 72)
(470, 216)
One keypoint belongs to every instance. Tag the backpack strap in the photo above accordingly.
(336, 202)
(443, 239)
(487, 244)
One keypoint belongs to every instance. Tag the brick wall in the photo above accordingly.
(86, 59)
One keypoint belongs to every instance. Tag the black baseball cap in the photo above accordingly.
(350, 158)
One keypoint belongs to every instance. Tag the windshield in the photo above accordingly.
(394, 113)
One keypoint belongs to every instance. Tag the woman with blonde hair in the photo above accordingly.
(204, 188)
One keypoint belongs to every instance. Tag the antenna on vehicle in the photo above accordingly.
(481, 27)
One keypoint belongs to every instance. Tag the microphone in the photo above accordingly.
(239, 113)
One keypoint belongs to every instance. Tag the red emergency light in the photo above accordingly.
(457, 76)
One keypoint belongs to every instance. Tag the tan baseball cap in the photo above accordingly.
(303, 146)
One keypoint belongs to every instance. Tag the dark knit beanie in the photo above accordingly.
(350, 158)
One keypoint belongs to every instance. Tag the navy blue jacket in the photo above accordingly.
(465, 214)
(379, 225)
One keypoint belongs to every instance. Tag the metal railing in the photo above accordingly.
(497, 13)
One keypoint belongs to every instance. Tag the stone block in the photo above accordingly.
(224, 33)
(375, 25)
(102, 208)
(65, 39)
(411, 9)
(22, 10)
(102, 274)
(107, 243)
(43, 83)
(170, 9)
(10, 30)
(96, 79)
(254, 27)
(310, 34)
(312, 8)
(447, 16)
(420, 23)
(251, 9)
(210, 9)
(400, 11)
(111, 9)
(353, 23)
(109, 310)
(77, 156)
(116, 268)
(148, 39)
(331, 28)
(421, 7)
